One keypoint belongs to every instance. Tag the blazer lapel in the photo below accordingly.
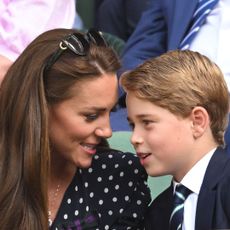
(182, 13)
(207, 196)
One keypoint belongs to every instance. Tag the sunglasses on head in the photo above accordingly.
(78, 44)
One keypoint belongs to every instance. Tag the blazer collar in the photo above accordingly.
(207, 194)
(181, 18)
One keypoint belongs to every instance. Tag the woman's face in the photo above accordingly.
(77, 125)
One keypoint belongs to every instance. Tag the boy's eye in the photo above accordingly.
(91, 117)
(131, 125)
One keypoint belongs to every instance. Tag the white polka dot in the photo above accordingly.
(121, 210)
(123, 156)
(110, 212)
(99, 214)
(130, 183)
(86, 184)
(130, 162)
(121, 174)
(126, 198)
(103, 166)
(134, 215)
(80, 171)
(87, 208)
(65, 216)
(139, 202)
(136, 171)
(91, 194)
(106, 227)
(76, 213)
(69, 201)
(76, 188)
(101, 202)
(81, 200)
(110, 156)
(117, 187)
(90, 170)
(96, 157)
(114, 199)
(106, 190)
(111, 177)
(99, 179)
(116, 165)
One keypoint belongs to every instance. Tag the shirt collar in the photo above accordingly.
(194, 178)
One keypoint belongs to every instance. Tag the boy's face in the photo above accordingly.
(163, 141)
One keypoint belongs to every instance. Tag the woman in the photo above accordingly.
(55, 104)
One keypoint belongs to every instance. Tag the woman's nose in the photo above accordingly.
(104, 130)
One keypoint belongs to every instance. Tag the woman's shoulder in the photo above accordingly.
(115, 162)
(113, 156)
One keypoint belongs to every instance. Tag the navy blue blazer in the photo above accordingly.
(213, 205)
(161, 28)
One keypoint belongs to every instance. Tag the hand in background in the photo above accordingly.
(5, 63)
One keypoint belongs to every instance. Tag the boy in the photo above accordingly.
(178, 108)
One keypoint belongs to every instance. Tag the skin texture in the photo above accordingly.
(82, 121)
(76, 128)
(164, 142)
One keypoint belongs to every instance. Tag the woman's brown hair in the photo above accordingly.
(25, 95)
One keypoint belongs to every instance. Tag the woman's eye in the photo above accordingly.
(91, 117)
(114, 109)
(147, 122)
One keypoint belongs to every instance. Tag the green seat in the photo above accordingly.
(121, 141)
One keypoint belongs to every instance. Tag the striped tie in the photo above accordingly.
(203, 9)
(176, 217)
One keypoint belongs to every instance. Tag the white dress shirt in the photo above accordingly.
(193, 181)
(213, 38)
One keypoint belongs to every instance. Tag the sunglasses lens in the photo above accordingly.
(77, 43)
(96, 37)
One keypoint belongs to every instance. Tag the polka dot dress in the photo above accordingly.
(111, 194)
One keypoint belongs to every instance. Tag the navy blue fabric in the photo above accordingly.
(118, 17)
(179, 197)
(203, 9)
(213, 205)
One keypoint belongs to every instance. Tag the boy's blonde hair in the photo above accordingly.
(180, 80)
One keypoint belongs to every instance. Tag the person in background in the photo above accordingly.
(165, 25)
(118, 17)
(22, 21)
(56, 170)
(178, 107)
(201, 26)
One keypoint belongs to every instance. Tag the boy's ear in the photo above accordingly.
(200, 121)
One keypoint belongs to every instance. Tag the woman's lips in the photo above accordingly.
(89, 148)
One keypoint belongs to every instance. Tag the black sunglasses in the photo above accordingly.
(78, 44)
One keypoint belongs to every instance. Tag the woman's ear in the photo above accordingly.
(200, 121)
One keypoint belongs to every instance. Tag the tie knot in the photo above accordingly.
(181, 193)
